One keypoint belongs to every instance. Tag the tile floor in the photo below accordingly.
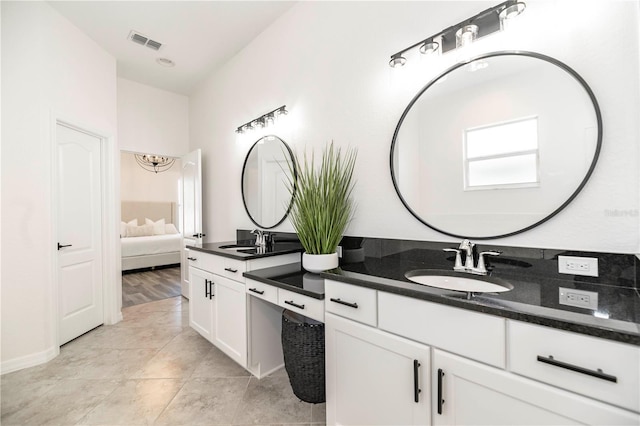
(151, 368)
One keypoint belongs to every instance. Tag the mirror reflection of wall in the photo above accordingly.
(137, 184)
(449, 177)
(265, 173)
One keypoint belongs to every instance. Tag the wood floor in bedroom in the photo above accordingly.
(149, 286)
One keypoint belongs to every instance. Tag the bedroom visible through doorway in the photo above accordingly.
(150, 231)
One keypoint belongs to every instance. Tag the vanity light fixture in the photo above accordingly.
(465, 32)
(154, 163)
(264, 120)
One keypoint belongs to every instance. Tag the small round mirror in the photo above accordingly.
(264, 175)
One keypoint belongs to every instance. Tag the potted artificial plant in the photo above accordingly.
(322, 204)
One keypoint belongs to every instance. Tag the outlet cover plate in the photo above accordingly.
(578, 298)
(573, 265)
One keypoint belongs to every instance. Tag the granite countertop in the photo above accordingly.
(290, 277)
(534, 298)
(246, 250)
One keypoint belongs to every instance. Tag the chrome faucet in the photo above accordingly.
(469, 249)
(259, 237)
(262, 237)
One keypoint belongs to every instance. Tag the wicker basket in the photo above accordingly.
(303, 348)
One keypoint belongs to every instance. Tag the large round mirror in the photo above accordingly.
(264, 175)
(496, 146)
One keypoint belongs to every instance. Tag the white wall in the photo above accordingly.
(151, 120)
(327, 61)
(138, 184)
(49, 68)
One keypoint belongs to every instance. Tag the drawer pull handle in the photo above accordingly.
(231, 270)
(440, 400)
(255, 290)
(597, 373)
(290, 302)
(416, 389)
(349, 304)
(192, 258)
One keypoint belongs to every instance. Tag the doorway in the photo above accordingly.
(150, 229)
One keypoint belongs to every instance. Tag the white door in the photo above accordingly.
(79, 209)
(190, 210)
(373, 377)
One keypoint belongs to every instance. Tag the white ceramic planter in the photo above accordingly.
(317, 263)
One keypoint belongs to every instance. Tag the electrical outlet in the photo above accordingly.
(578, 265)
(578, 298)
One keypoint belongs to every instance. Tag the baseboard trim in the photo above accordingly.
(29, 360)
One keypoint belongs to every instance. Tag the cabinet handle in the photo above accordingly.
(211, 290)
(416, 389)
(199, 235)
(192, 258)
(597, 373)
(290, 302)
(349, 304)
(207, 289)
(255, 290)
(63, 245)
(440, 400)
(231, 270)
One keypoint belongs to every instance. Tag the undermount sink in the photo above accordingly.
(458, 281)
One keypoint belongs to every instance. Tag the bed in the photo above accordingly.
(148, 235)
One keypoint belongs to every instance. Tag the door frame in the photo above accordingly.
(110, 195)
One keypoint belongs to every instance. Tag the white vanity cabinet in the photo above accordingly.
(484, 368)
(201, 303)
(218, 301)
(467, 392)
(373, 377)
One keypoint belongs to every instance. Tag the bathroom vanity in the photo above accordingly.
(398, 352)
(218, 300)
(402, 353)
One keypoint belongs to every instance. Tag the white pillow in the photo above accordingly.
(123, 227)
(158, 227)
(170, 228)
(139, 231)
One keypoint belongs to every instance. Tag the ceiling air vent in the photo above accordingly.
(143, 40)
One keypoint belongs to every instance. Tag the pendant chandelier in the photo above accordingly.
(154, 163)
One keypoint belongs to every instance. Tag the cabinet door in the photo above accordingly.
(373, 377)
(476, 394)
(201, 304)
(231, 319)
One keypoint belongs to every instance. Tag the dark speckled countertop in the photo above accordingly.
(245, 250)
(534, 298)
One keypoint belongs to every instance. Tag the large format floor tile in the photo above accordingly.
(151, 368)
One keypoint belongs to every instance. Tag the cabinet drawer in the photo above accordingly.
(262, 291)
(477, 336)
(602, 369)
(305, 305)
(204, 261)
(350, 301)
(232, 268)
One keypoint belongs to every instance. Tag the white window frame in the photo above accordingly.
(467, 160)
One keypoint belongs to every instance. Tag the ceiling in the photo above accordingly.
(199, 36)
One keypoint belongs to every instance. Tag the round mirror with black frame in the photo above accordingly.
(497, 145)
(265, 172)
